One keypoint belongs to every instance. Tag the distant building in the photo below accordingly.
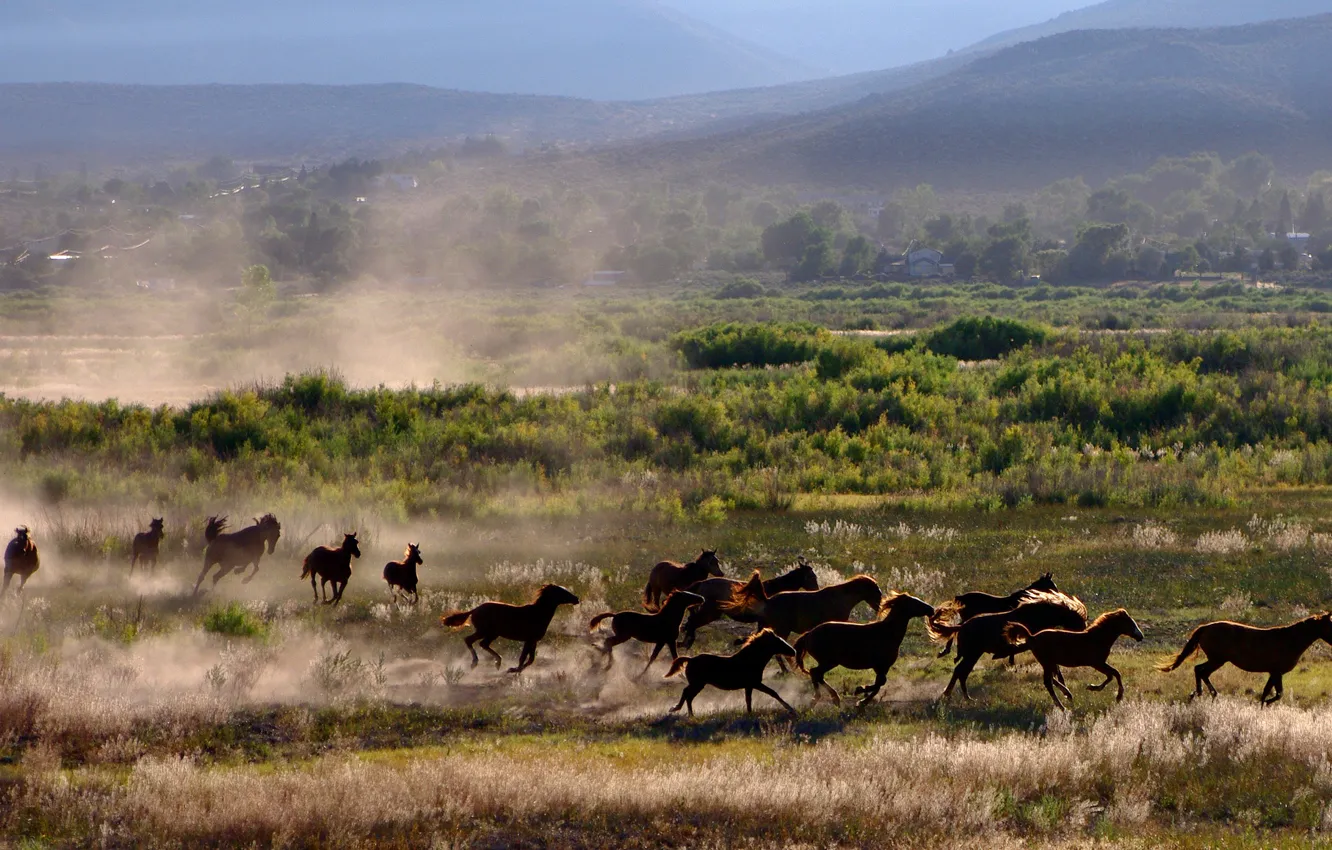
(405, 182)
(605, 278)
(927, 262)
(1298, 240)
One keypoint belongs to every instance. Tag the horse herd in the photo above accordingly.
(679, 599)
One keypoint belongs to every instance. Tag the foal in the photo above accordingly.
(527, 623)
(331, 565)
(401, 575)
(860, 646)
(1055, 648)
(744, 670)
(668, 577)
(1273, 651)
(146, 545)
(661, 628)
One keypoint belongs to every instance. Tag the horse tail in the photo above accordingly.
(677, 666)
(456, 619)
(647, 594)
(948, 611)
(305, 566)
(592, 626)
(801, 648)
(1190, 647)
(1017, 636)
(941, 632)
(747, 596)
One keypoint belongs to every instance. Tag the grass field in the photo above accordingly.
(134, 714)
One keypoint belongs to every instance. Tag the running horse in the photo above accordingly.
(401, 575)
(1056, 648)
(21, 559)
(860, 646)
(744, 670)
(146, 545)
(975, 603)
(661, 629)
(331, 565)
(1273, 651)
(527, 623)
(985, 633)
(716, 592)
(233, 552)
(668, 577)
(798, 611)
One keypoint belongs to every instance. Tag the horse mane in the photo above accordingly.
(890, 599)
(754, 637)
(857, 579)
(1056, 597)
(1108, 616)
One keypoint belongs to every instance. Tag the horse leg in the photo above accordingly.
(687, 698)
(525, 658)
(202, 575)
(1202, 675)
(1049, 680)
(948, 647)
(337, 591)
(960, 674)
(1110, 673)
(655, 652)
(612, 642)
(1273, 684)
(749, 700)
(469, 640)
(762, 688)
(253, 572)
(816, 675)
(485, 644)
(315, 588)
(872, 691)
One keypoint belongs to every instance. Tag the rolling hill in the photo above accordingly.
(598, 49)
(1087, 102)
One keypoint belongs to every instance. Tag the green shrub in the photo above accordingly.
(234, 621)
(984, 338)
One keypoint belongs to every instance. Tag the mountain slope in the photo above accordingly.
(601, 49)
(1090, 102)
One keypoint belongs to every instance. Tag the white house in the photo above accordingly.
(926, 262)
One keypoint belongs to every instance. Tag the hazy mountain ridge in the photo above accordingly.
(601, 49)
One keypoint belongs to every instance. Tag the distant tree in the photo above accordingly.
(829, 215)
(1091, 257)
(787, 241)
(115, 187)
(1004, 260)
(257, 289)
(1150, 261)
(1250, 175)
(1015, 212)
(1289, 257)
(1285, 217)
(219, 168)
(1267, 260)
(656, 264)
(892, 221)
(766, 214)
(818, 261)
(1314, 216)
(858, 257)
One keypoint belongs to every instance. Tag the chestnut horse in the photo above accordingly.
(401, 575)
(146, 545)
(668, 577)
(331, 565)
(985, 633)
(860, 646)
(1273, 651)
(235, 551)
(661, 628)
(744, 670)
(718, 591)
(1056, 648)
(975, 603)
(21, 559)
(527, 623)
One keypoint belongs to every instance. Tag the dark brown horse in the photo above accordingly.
(985, 633)
(975, 603)
(146, 544)
(21, 559)
(1273, 651)
(668, 577)
(798, 611)
(718, 591)
(1056, 648)
(401, 575)
(331, 565)
(661, 629)
(527, 623)
(860, 646)
(744, 670)
(235, 551)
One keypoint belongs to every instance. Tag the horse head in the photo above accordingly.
(413, 555)
(157, 524)
(22, 533)
(768, 641)
(710, 560)
(909, 605)
(683, 600)
(868, 591)
(271, 529)
(1324, 626)
(349, 544)
(1045, 584)
(1131, 627)
(806, 578)
(554, 595)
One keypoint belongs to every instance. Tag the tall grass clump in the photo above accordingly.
(234, 620)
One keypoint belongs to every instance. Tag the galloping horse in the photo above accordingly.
(20, 559)
(401, 575)
(331, 565)
(1055, 648)
(232, 552)
(527, 623)
(1273, 651)
(718, 591)
(860, 646)
(668, 577)
(744, 670)
(985, 633)
(661, 628)
(975, 603)
(146, 544)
